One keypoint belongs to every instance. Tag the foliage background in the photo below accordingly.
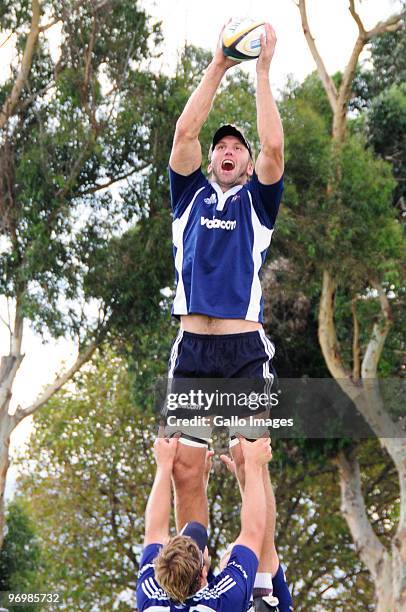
(89, 468)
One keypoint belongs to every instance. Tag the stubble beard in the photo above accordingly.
(241, 179)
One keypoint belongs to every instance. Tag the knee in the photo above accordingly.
(187, 474)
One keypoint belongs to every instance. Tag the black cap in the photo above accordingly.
(197, 532)
(230, 130)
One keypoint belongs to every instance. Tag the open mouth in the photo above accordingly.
(227, 164)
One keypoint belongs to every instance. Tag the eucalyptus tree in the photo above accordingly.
(359, 251)
(75, 120)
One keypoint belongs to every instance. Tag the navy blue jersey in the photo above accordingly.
(229, 591)
(220, 242)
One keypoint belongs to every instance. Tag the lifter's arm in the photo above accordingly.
(269, 165)
(158, 510)
(268, 560)
(186, 155)
(253, 508)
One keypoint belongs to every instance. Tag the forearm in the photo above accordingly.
(199, 104)
(253, 508)
(158, 508)
(268, 561)
(269, 124)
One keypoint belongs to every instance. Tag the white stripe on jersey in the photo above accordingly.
(216, 590)
(226, 587)
(262, 240)
(153, 590)
(146, 587)
(144, 568)
(178, 227)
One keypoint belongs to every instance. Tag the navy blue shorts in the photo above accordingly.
(227, 357)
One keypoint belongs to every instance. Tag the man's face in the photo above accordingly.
(230, 163)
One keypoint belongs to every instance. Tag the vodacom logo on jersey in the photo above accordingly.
(218, 223)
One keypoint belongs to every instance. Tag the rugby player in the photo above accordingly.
(174, 571)
(222, 227)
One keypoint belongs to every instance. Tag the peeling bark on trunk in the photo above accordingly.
(4, 465)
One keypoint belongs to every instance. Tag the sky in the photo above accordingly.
(331, 24)
(199, 23)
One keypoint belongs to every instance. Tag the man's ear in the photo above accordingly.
(209, 168)
(250, 168)
(203, 575)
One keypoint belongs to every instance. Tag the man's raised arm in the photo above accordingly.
(186, 155)
(158, 510)
(269, 165)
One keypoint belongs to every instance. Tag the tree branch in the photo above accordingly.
(58, 383)
(87, 76)
(357, 19)
(112, 181)
(345, 91)
(324, 75)
(49, 25)
(368, 545)
(12, 100)
(343, 580)
(327, 332)
(378, 336)
(9, 364)
(5, 41)
(356, 361)
(390, 25)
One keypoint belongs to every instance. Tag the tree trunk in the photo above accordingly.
(399, 570)
(9, 366)
(4, 465)
(381, 565)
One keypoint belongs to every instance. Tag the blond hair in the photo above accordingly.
(178, 568)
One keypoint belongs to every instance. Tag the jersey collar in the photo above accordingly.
(222, 197)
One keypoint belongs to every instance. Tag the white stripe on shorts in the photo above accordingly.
(174, 353)
(270, 351)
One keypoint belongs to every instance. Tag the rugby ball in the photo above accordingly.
(242, 39)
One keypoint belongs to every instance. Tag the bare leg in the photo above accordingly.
(190, 485)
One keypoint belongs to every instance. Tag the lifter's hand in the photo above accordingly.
(256, 453)
(229, 463)
(219, 58)
(165, 451)
(268, 43)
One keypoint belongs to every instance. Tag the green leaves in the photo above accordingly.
(20, 556)
(363, 237)
(94, 454)
(82, 123)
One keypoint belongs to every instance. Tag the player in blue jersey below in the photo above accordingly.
(222, 228)
(271, 592)
(178, 570)
(173, 574)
